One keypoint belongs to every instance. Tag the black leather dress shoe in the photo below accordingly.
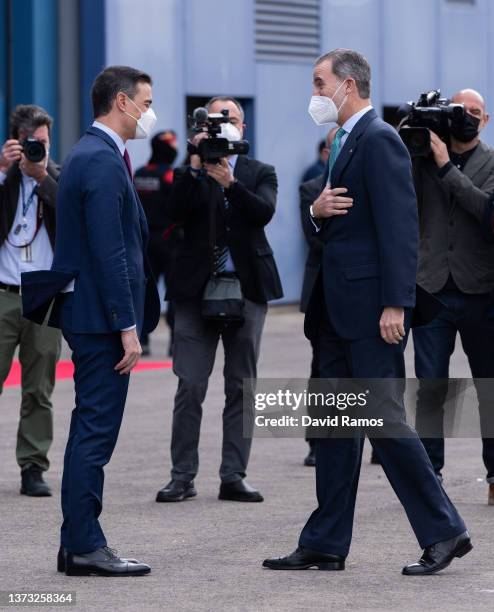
(438, 556)
(175, 491)
(103, 562)
(310, 460)
(304, 558)
(62, 555)
(239, 490)
(33, 484)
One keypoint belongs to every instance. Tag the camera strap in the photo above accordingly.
(26, 205)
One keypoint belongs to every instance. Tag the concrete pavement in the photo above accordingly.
(206, 555)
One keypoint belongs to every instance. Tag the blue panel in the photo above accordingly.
(219, 47)
(356, 24)
(34, 56)
(92, 52)
(45, 49)
(286, 137)
(3, 71)
(22, 52)
(409, 44)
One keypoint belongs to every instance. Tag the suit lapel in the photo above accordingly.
(241, 170)
(479, 158)
(349, 147)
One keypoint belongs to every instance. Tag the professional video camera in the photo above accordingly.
(212, 149)
(430, 112)
(33, 149)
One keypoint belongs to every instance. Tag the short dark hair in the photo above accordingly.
(110, 81)
(226, 99)
(347, 63)
(322, 145)
(28, 118)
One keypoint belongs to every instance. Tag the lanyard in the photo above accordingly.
(26, 205)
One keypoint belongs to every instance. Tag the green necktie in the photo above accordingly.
(335, 149)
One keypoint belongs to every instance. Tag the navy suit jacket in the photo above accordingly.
(101, 241)
(370, 254)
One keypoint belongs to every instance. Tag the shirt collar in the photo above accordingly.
(112, 134)
(232, 161)
(354, 119)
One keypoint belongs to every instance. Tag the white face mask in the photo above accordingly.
(230, 132)
(323, 109)
(146, 122)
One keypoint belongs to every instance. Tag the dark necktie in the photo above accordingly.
(127, 162)
(335, 150)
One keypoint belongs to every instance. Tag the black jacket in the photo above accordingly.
(252, 202)
(309, 191)
(9, 197)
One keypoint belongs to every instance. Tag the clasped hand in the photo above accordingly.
(331, 203)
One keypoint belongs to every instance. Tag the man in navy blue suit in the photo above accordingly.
(100, 291)
(360, 311)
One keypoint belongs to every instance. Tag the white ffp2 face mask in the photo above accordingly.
(323, 109)
(230, 132)
(145, 123)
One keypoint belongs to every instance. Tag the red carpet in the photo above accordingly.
(65, 369)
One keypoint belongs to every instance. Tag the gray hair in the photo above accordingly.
(346, 63)
(226, 99)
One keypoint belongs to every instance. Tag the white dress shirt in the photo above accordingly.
(11, 264)
(121, 147)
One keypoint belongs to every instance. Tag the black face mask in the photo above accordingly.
(466, 129)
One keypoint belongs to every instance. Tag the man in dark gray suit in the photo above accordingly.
(456, 264)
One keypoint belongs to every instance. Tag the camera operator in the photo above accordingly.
(28, 189)
(456, 264)
(231, 202)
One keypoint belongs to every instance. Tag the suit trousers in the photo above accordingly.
(194, 351)
(100, 394)
(434, 344)
(39, 350)
(431, 514)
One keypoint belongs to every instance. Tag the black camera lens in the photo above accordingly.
(33, 149)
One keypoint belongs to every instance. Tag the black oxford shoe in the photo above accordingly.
(175, 491)
(102, 562)
(310, 460)
(438, 556)
(304, 558)
(32, 483)
(61, 559)
(239, 490)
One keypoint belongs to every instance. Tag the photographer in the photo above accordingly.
(456, 264)
(224, 208)
(28, 189)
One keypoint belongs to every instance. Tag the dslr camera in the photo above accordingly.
(212, 149)
(33, 149)
(430, 112)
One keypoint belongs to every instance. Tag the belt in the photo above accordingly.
(10, 288)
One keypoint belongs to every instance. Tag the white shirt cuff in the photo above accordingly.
(317, 227)
(3, 176)
(129, 328)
